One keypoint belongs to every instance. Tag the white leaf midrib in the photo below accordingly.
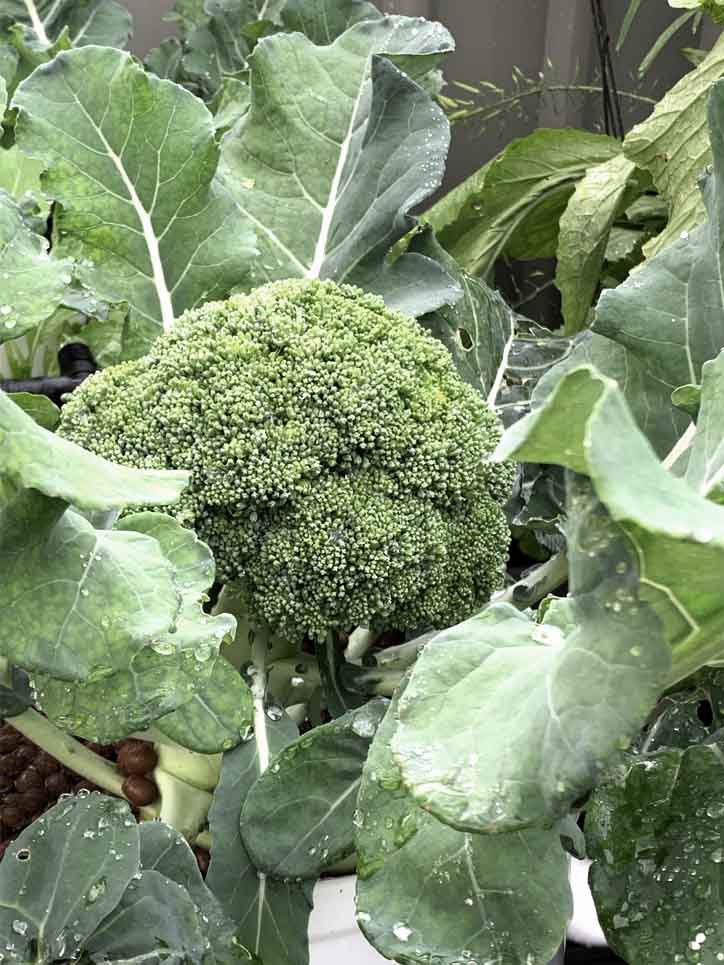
(149, 233)
(38, 25)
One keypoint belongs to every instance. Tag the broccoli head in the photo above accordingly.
(339, 463)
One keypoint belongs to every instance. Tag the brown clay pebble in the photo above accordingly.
(4, 845)
(203, 859)
(6, 784)
(137, 757)
(30, 778)
(9, 739)
(33, 800)
(139, 790)
(10, 766)
(13, 816)
(57, 784)
(45, 764)
(26, 754)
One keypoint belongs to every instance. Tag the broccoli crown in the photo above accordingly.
(338, 461)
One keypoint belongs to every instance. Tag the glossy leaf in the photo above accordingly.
(326, 20)
(585, 677)
(297, 817)
(218, 716)
(655, 834)
(155, 919)
(369, 122)
(676, 534)
(92, 846)
(428, 893)
(33, 458)
(673, 145)
(271, 915)
(478, 330)
(522, 194)
(584, 233)
(33, 282)
(141, 211)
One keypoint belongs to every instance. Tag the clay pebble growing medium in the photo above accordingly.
(31, 781)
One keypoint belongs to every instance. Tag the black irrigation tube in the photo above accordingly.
(76, 363)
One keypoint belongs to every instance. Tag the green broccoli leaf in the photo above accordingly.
(585, 227)
(63, 875)
(166, 851)
(142, 212)
(35, 459)
(428, 893)
(514, 204)
(326, 20)
(362, 119)
(705, 470)
(478, 330)
(38, 407)
(655, 833)
(154, 920)
(270, 914)
(673, 144)
(20, 178)
(104, 22)
(297, 817)
(32, 281)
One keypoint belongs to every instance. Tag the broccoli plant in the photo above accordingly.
(338, 461)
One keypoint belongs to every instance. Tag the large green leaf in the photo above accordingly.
(326, 20)
(219, 48)
(705, 469)
(338, 147)
(155, 920)
(164, 850)
(655, 834)
(673, 144)
(133, 166)
(104, 22)
(80, 601)
(585, 678)
(63, 875)
(32, 283)
(427, 893)
(35, 459)
(297, 817)
(516, 203)
(272, 915)
(654, 332)
(478, 330)
(39, 408)
(181, 671)
(585, 227)
(676, 534)
(218, 716)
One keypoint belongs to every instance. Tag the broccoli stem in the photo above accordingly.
(74, 755)
(537, 583)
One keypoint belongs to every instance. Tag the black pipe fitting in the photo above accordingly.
(76, 364)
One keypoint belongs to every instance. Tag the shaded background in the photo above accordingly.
(555, 37)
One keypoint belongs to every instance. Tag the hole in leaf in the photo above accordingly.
(705, 713)
(23, 854)
(465, 339)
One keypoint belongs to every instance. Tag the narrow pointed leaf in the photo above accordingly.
(673, 145)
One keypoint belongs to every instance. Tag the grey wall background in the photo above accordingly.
(493, 36)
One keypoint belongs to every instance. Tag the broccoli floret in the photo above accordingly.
(338, 461)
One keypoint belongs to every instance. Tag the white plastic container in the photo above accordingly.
(334, 937)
